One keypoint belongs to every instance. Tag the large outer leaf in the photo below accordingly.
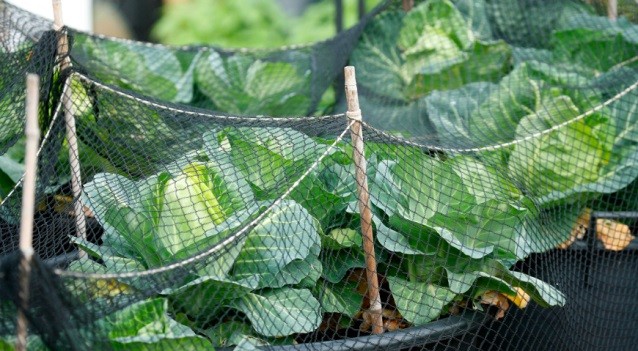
(491, 225)
(330, 189)
(339, 297)
(203, 297)
(497, 117)
(543, 293)
(476, 15)
(270, 157)
(483, 181)
(449, 111)
(419, 303)
(419, 189)
(393, 240)
(302, 272)
(10, 173)
(119, 205)
(559, 160)
(595, 41)
(137, 67)
(245, 85)
(286, 234)
(147, 326)
(281, 312)
(336, 263)
(379, 59)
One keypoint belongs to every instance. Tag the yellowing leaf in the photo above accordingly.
(614, 235)
(520, 299)
(109, 288)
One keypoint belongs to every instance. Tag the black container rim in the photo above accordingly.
(444, 328)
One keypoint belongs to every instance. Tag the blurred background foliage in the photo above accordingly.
(251, 23)
(244, 23)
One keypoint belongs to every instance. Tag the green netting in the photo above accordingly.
(221, 192)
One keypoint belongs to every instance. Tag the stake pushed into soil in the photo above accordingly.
(354, 114)
(32, 132)
(69, 119)
(612, 9)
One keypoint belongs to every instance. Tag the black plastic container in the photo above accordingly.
(452, 333)
(601, 288)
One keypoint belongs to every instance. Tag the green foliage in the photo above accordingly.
(297, 257)
(243, 85)
(138, 67)
(11, 168)
(447, 228)
(558, 154)
(251, 23)
(225, 23)
(172, 215)
(400, 61)
(146, 326)
(409, 59)
(584, 39)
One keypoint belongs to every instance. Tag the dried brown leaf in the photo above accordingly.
(578, 230)
(393, 324)
(498, 300)
(614, 235)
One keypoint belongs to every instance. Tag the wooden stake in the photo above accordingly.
(69, 118)
(28, 205)
(612, 9)
(354, 114)
(408, 5)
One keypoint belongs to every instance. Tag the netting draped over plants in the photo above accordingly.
(223, 207)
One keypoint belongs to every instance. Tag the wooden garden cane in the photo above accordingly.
(69, 119)
(28, 206)
(612, 9)
(354, 114)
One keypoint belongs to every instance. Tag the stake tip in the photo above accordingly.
(57, 14)
(349, 75)
(32, 78)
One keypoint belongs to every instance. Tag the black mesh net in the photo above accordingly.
(225, 200)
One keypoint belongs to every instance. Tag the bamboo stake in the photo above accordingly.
(354, 114)
(612, 9)
(408, 5)
(28, 205)
(69, 118)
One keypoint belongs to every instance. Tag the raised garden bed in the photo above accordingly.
(601, 312)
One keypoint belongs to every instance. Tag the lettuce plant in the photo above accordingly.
(401, 57)
(242, 84)
(454, 227)
(436, 245)
(196, 204)
(137, 67)
(558, 154)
